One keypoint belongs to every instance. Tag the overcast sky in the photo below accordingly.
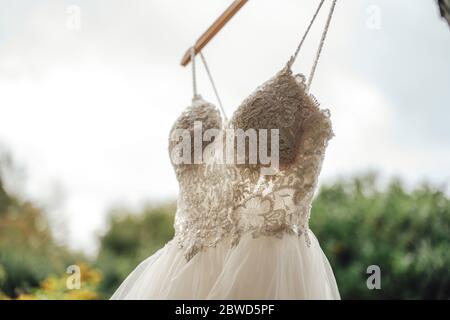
(86, 106)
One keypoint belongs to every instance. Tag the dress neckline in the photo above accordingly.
(227, 121)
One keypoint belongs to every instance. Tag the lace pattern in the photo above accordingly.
(219, 200)
(203, 206)
(280, 203)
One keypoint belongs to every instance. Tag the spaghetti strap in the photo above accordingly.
(196, 95)
(213, 86)
(294, 56)
(321, 44)
(194, 76)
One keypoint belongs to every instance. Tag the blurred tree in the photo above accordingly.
(132, 237)
(444, 8)
(5, 199)
(407, 234)
(55, 288)
(358, 223)
(28, 251)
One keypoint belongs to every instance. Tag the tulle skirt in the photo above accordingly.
(261, 268)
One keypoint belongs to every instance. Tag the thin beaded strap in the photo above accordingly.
(294, 56)
(194, 77)
(194, 81)
(322, 41)
(213, 86)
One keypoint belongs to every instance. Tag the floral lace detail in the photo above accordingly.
(280, 203)
(204, 206)
(219, 200)
(204, 203)
(201, 111)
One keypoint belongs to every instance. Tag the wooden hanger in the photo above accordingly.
(213, 29)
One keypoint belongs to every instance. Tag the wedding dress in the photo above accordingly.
(241, 234)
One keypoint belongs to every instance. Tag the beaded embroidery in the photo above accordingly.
(219, 200)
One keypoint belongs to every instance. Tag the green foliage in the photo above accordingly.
(132, 237)
(407, 234)
(28, 251)
(55, 287)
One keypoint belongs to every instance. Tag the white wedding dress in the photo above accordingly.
(240, 234)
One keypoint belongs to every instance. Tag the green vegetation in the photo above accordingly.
(132, 237)
(28, 251)
(405, 232)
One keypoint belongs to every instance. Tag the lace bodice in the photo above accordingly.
(272, 205)
(204, 202)
(218, 200)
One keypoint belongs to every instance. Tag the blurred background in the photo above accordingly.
(90, 89)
